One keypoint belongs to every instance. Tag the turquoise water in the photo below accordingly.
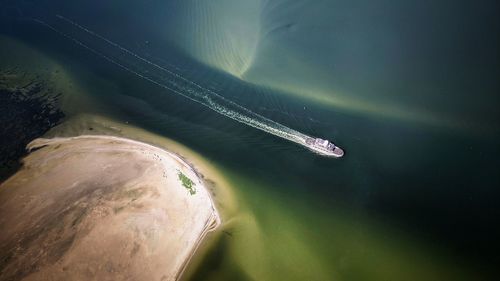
(409, 90)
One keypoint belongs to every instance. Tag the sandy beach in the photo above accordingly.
(103, 208)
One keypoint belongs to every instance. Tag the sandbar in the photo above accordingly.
(102, 208)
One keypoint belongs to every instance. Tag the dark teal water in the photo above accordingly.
(408, 90)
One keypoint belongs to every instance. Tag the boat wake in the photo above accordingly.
(172, 81)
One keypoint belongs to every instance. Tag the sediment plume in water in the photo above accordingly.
(172, 81)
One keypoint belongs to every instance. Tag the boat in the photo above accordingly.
(324, 147)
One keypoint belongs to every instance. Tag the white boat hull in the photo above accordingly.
(330, 150)
(337, 152)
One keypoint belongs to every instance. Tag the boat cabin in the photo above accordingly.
(324, 144)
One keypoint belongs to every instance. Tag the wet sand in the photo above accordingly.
(104, 208)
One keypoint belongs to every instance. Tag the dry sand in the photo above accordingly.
(92, 124)
(101, 208)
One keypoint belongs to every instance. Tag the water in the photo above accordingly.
(176, 83)
(413, 103)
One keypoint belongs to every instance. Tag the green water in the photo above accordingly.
(286, 236)
(415, 196)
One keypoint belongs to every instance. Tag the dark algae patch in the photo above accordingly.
(28, 109)
(187, 183)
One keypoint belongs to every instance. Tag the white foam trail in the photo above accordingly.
(187, 88)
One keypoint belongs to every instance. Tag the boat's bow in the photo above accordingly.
(338, 152)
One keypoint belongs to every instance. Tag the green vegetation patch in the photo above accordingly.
(187, 183)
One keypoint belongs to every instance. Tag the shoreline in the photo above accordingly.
(216, 222)
(95, 124)
(119, 194)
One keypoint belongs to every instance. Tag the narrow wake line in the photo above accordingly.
(284, 128)
(186, 87)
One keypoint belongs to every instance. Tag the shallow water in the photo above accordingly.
(414, 197)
